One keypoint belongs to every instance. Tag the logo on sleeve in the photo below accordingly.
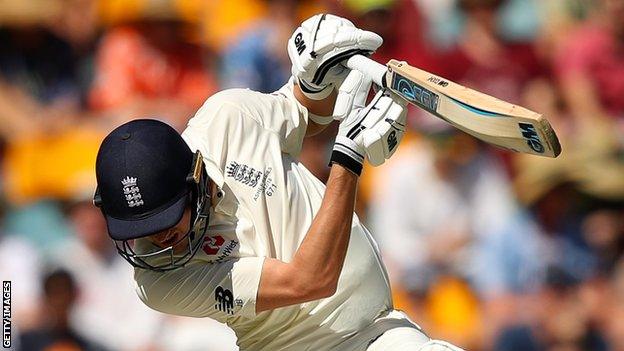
(243, 174)
(225, 300)
(260, 180)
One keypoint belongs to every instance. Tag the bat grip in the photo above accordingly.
(371, 68)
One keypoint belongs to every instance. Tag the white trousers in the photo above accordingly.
(392, 331)
(402, 338)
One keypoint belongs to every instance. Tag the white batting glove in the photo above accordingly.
(352, 94)
(317, 48)
(382, 140)
(372, 132)
(439, 345)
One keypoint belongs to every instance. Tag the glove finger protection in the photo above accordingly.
(382, 140)
(349, 149)
(352, 94)
(317, 48)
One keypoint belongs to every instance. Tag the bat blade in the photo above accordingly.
(485, 117)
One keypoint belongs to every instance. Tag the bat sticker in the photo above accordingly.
(415, 93)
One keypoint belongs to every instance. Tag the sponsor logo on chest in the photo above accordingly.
(218, 246)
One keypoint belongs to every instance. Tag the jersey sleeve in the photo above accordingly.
(279, 113)
(220, 291)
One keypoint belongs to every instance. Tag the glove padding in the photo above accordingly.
(439, 345)
(317, 48)
(373, 132)
(351, 95)
(382, 139)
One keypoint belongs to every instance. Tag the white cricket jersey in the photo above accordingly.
(249, 141)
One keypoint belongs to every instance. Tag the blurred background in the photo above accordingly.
(488, 249)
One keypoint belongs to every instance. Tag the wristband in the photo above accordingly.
(346, 159)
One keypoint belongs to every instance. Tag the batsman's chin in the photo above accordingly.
(181, 248)
(178, 244)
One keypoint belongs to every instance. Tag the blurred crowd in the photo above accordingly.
(488, 249)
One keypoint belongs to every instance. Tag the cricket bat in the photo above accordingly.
(485, 117)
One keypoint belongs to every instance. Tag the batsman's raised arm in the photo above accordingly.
(316, 265)
(315, 268)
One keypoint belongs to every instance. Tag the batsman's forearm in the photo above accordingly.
(322, 253)
(313, 271)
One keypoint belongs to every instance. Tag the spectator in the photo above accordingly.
(20, 263)
(99, 274)
(448, 200)
(603, 230)
(62, 78)
(258, 59)
(561, 322)
(400, 24)
(613, 313)
(484, 60)
(590, 65)
(47, 62)
(451, 178)
(45, 66)
(60, 293)
(149, 67)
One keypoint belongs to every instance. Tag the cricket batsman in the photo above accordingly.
(224, 222)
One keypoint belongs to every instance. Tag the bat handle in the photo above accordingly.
(371, 68)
